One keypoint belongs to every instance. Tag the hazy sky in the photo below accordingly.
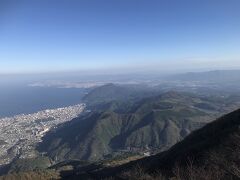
(63, 35)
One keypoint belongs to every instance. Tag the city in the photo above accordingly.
(20, 134)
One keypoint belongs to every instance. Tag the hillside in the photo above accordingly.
(117, 97)
(209, 153)
(32, 175)
(153, 124)
(220, 136)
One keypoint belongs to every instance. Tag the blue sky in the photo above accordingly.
(153, 35)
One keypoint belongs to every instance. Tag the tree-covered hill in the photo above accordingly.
(153, 123)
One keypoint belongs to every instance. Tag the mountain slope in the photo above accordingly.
(213, 147)
(212, 152)
(217, 136)
(117, 97)
(154, 123)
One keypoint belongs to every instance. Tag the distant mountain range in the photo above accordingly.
(217, 76)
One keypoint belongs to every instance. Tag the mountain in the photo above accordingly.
(153, 123)
(213, 147)
(220, 137)
(213, 82)
(106, 93)
(217, 76)
(117, 97)
(209, 153)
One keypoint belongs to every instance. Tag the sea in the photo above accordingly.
(19, 99)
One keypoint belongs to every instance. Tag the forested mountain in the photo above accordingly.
(153, 123)
(211, 152)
